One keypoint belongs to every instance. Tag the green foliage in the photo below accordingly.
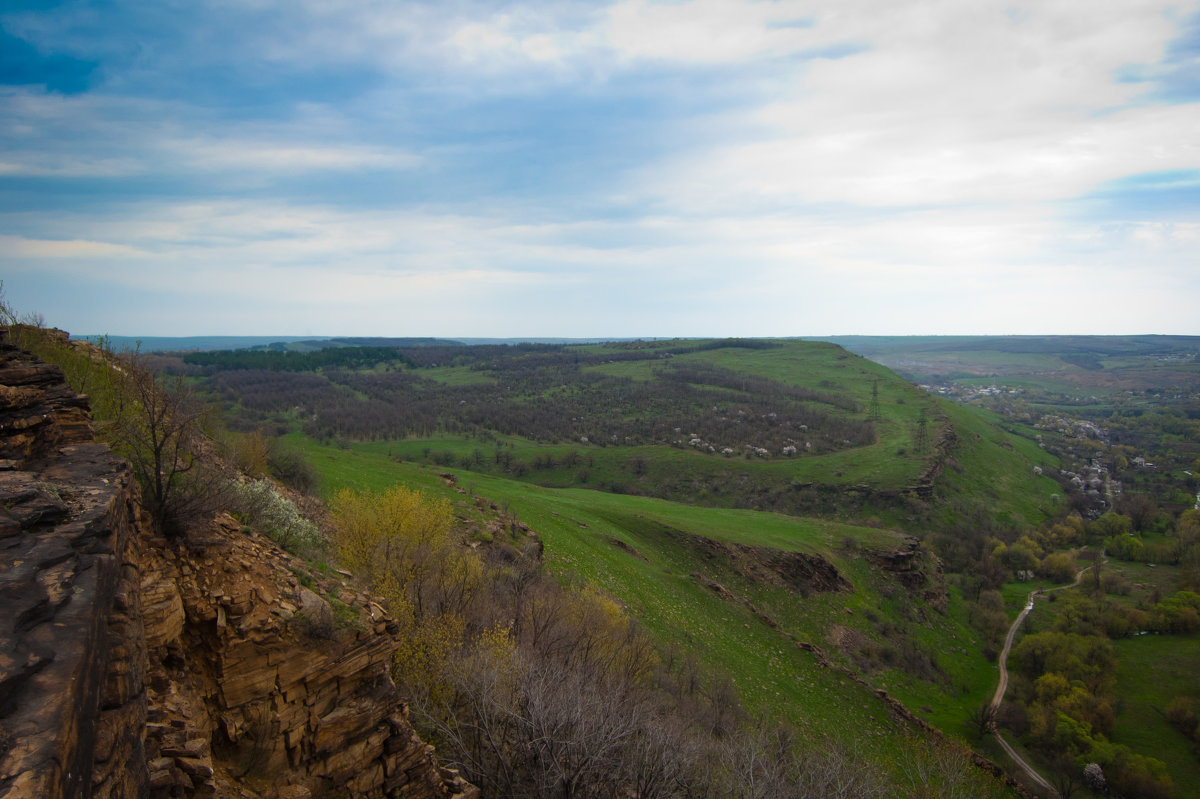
(1178, 613)
(1089, 659)
(1057, 566)
(1110, 525)
(646, 551)
(263, 507)
(1125, 547)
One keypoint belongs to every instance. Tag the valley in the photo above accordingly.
(776, 537)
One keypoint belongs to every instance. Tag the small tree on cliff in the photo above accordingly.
(158, 430)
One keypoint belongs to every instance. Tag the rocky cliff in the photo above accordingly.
(209, 665)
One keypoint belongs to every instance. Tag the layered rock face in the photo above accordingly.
(72, 657)
(917, 569)
(210, 665)
(255, 683)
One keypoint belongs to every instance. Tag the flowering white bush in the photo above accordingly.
(1093, 775)
(277, 516)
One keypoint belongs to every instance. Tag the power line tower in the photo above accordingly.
(921, 435)
(873, 412)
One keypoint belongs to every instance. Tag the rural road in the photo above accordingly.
(1002, 687)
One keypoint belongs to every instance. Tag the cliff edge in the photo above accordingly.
(214, 664)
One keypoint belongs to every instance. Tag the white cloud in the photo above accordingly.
(21, 247)
(953, 103)
(264, 155)
(708, 31)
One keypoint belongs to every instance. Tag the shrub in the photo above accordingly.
(278, 517)
(1059, 567)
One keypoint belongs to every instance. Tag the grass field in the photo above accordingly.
(996, 469)
(650, 554)
(1153, 670)
(990, 467)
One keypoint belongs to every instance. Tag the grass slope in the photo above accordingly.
(651, 555)
(994, 469)
(986, 462)
(1154, 669)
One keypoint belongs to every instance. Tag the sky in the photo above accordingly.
(583, 169)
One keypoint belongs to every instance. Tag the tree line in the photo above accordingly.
(287, 361)
(556, 403)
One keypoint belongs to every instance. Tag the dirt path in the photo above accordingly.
(1002, 687)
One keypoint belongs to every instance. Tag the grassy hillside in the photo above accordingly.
(790, 426)
(664, 561)
(1154, 670)
(656, 472)
(991, 468)
(599, 504)
(740, 499)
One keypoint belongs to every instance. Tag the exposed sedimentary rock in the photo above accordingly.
(255, 680)
(209, 665)
(72, 657)
(917, 569)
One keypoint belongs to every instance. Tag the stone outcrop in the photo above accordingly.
(801, 572)
(209, 665)
(72, 656)
(915, 568)
(943, 445)
(256, 680)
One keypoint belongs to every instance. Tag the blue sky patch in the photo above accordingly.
(22, 65)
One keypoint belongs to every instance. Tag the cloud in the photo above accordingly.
(706, 31)
(518, 168)
(265, 155)
(1006, 110)
(18, 247)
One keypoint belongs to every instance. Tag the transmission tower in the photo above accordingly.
(873, 412)
(921, 436)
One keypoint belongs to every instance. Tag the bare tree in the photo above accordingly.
(158, 430)
(759, 763)
(662, 758)
(832, 771)
(477, 726)
(577, 727)
(9, 316)
(946, 767)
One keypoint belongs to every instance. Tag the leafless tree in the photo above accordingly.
(158, 429)
(664, 759)
(833, 771)
(577, 727)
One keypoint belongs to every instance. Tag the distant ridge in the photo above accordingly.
(1110, 345)
(309, 343)
(195, 343)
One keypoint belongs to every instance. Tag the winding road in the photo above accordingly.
(1002, 687)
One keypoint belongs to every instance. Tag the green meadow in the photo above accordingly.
(653, 556)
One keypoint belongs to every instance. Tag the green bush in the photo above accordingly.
(278, 517)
